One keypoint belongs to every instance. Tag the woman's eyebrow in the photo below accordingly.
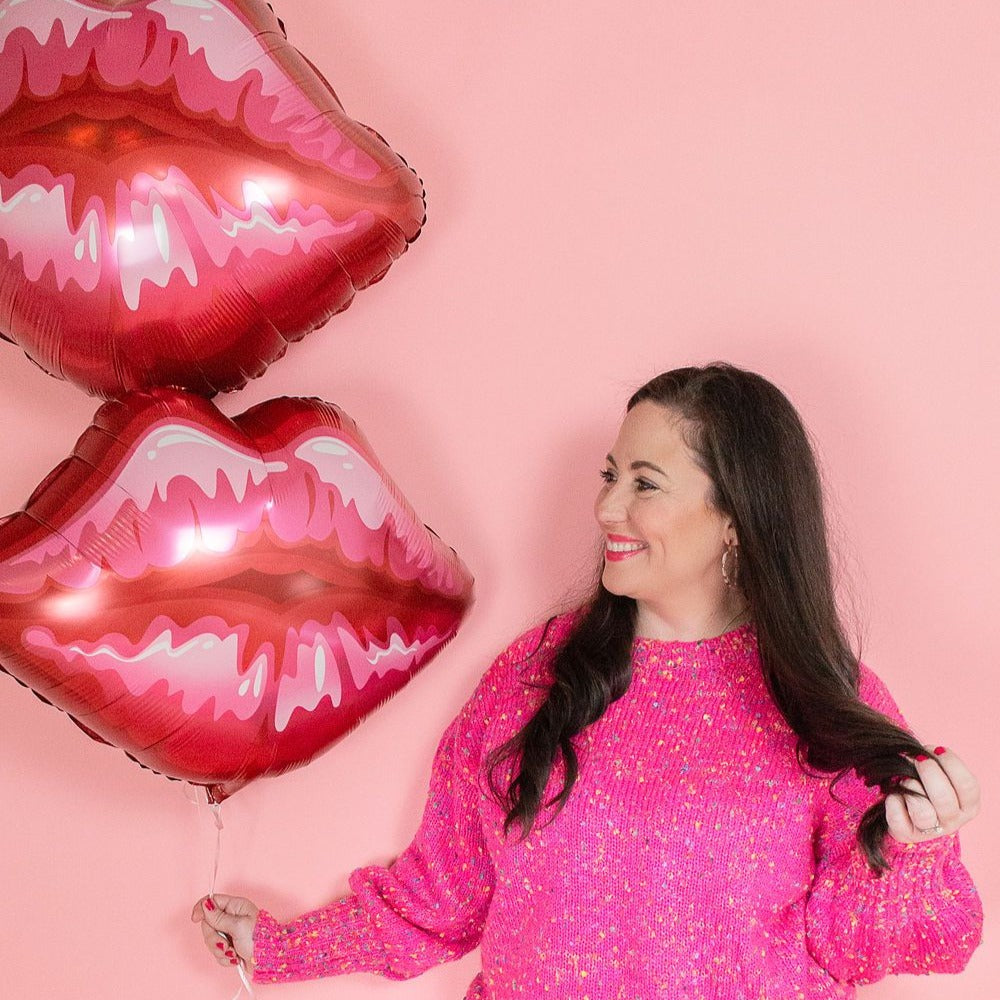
(639, 465)
(648, 465)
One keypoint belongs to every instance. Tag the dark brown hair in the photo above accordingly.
(747, 437)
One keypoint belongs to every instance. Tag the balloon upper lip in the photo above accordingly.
(132, 514)
(251, 101)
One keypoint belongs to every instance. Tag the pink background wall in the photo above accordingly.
(809, 190)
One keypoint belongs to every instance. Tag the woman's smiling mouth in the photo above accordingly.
(618, 547)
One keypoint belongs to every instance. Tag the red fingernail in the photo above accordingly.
(220, 945)
(230, 953)
(940, 750)
(921, 757)
(232, 961)
(209, 905)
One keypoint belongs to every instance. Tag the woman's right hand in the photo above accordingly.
(227, 924)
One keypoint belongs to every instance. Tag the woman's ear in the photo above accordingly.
(729, 533)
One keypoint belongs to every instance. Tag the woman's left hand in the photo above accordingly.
(952, 799)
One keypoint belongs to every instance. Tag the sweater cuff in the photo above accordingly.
(931, 875)
(937, 848)
(330, 941)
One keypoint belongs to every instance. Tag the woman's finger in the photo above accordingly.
(217, 944)
(898, 819)
(961, 778)
(921, 812)
(940, 792)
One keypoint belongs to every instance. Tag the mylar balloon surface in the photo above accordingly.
(221, 599)
(181, 192)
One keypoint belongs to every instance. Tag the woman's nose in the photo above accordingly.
(609, 508)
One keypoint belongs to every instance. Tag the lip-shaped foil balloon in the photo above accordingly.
(181, 192)
(221, 599)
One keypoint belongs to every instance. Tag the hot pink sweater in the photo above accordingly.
(694, 859)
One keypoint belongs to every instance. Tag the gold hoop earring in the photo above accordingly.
(730, 572)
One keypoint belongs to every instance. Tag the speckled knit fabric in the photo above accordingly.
(694, 860)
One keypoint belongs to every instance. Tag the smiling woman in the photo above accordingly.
(176, 176)
(713, 798)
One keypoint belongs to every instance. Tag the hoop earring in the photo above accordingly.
(729, 573)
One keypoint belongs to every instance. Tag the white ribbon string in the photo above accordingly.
(216, 808)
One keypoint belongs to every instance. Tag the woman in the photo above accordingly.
(637, 801)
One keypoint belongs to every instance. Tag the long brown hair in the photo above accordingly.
(749, 440)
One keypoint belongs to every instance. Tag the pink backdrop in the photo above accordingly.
(809, 190)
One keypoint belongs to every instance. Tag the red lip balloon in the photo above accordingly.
(181, 193)
(222, 599)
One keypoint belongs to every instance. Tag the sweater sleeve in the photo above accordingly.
(427, 907)
(923, 915)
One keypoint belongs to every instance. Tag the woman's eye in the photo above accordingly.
(607, 475)
(644, 485)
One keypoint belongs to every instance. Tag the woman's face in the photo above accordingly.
(663, 538)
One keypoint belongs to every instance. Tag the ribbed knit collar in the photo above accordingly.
(735, 647)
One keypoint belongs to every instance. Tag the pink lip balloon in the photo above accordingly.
(181, 192)
(222, 599)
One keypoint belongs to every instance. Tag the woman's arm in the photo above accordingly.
(427, 907)
(921, 916)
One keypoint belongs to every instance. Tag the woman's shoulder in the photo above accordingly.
(541, 641)
(873, 692)
(524, 663)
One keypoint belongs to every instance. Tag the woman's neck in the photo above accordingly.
(685, 625)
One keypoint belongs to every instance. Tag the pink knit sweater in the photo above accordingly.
(694, 860)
